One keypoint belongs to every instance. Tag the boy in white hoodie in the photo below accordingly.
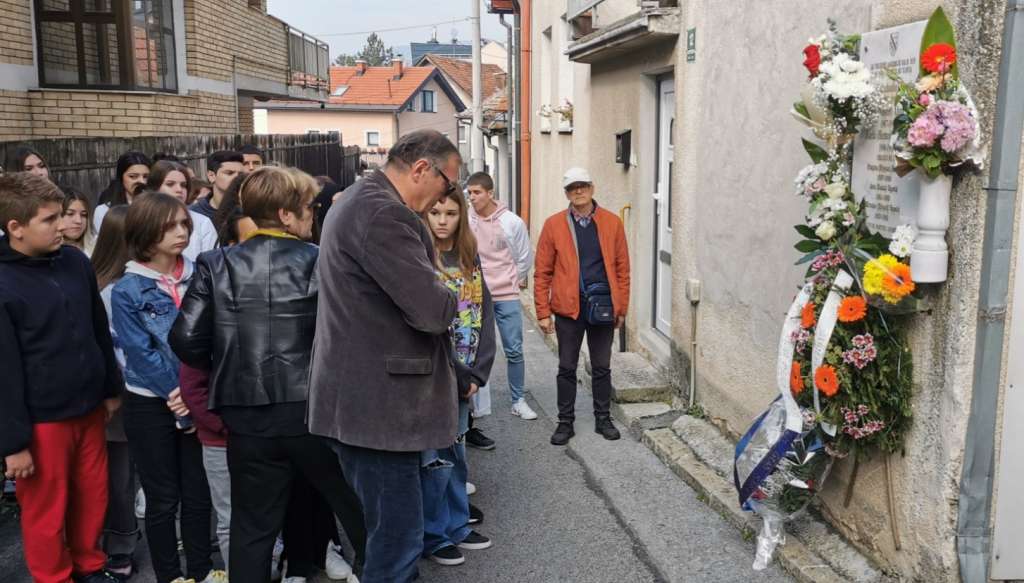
(504, 247)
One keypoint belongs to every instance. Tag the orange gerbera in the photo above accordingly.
(938, 58)
(826, 381)
(807, 318)
(796, 380)
(897, 283)
(852, 309)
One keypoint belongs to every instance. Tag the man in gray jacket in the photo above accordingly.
(382, 385)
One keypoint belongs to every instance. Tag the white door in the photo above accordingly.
(663, 207)
(1007, 558)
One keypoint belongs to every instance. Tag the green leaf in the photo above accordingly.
(816, 152)
(805, 231)
(801, 108)
(809, 257)
(938, 30)
(807, 245)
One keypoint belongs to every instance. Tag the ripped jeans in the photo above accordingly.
(443, 475)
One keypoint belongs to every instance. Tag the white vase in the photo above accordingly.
(930, 259)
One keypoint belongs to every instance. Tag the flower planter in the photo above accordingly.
(930, 259)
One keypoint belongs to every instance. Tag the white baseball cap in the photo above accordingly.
(574, 175)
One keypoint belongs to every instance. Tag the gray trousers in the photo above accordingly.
(121, 530)
(215, 461)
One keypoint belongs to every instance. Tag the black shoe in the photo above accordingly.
(475, 541)
(604, 427)
(476, 438)
(448, 556)
(476, 516)
(97, 577)
(563, 433)
(122, 567)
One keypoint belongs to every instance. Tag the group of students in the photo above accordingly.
(200, 301)
(81, 337)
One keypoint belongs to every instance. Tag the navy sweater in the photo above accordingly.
(56, 357)
(591, 258)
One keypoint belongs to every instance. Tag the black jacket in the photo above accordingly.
(56, 357)
(249, 317)
(381, 376)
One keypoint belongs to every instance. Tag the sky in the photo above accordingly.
(333, 21)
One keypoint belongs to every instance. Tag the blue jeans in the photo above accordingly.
(445, 502)
(388, 485)
(509, 315)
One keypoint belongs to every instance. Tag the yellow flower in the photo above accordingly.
(887, 277)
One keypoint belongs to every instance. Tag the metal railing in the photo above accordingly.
(309, 61)
(574, 8)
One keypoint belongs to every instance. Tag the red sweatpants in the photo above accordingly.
(64, 503)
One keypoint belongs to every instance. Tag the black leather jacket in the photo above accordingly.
(249, 317)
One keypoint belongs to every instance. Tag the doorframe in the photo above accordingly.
(658, 79)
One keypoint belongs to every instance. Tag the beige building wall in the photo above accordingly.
(494, 54)
(353, 125)
(737, 152)
(443, 120)
(740, 153)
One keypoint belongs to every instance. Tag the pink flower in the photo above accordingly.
(925, 130)
(925, 99)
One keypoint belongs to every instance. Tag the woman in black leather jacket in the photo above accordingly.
(249, 318)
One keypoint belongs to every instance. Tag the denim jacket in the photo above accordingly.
(143, 315)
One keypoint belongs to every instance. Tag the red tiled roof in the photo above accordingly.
(377, 85)
(461, 73)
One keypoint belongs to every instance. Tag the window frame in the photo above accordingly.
(366, 140)
(433, 101)
(121, 16)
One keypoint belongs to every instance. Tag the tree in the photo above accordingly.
(344, 60)
(373, 53)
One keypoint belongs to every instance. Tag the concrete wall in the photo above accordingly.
(443, 120)
(737, 151)
(353, 125)
(739, 157)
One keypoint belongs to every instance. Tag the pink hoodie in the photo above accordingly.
(503, 244)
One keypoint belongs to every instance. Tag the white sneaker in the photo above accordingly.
(275, 563)
(216, 576)
(293, 580)
(470, 488)
(140, 504)
(522, 410)
(337, 567)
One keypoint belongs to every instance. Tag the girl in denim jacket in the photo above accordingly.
(160, 433)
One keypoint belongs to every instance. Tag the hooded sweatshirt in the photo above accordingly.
(56, 357)
(503, 244)
(144, 304)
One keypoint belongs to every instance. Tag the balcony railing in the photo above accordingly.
(576, 7)
(309, 61)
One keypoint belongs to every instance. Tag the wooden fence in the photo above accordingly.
(89, 163)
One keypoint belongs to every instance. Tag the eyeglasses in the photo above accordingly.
(577, 186)
(450, 188)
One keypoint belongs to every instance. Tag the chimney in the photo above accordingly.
(360, 67)
(397, 67)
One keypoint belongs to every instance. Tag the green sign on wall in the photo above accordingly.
(691, 45)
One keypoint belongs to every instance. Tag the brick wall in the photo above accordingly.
(16, 32)
(219, 30)
(15, 115)
(246, 123)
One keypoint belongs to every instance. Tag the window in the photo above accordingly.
(106, 44)
(429, 104)
(313, 132)
(372, 139)
(462, 134)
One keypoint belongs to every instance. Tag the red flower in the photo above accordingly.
(938, 58)
(812, 59)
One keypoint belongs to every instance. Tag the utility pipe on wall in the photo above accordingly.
(476, 142)
(975, 501)
(526, 56)
(510, 130)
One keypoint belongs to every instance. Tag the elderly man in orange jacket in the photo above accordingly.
(581, 288)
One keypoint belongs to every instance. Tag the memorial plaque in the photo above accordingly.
(890, 201)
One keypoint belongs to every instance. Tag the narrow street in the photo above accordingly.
(585, 513)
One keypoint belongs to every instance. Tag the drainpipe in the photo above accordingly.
(526, 157)
(973, 531)
(511, 121)
(496, 171)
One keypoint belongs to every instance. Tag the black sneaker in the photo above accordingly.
(563, 433)
(97, 577)
(122, 567)
(475, 541)
(476, 438)
(448, 556)
(604, 427)
(476, 516)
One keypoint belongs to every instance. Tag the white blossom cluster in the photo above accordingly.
(903, 241)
